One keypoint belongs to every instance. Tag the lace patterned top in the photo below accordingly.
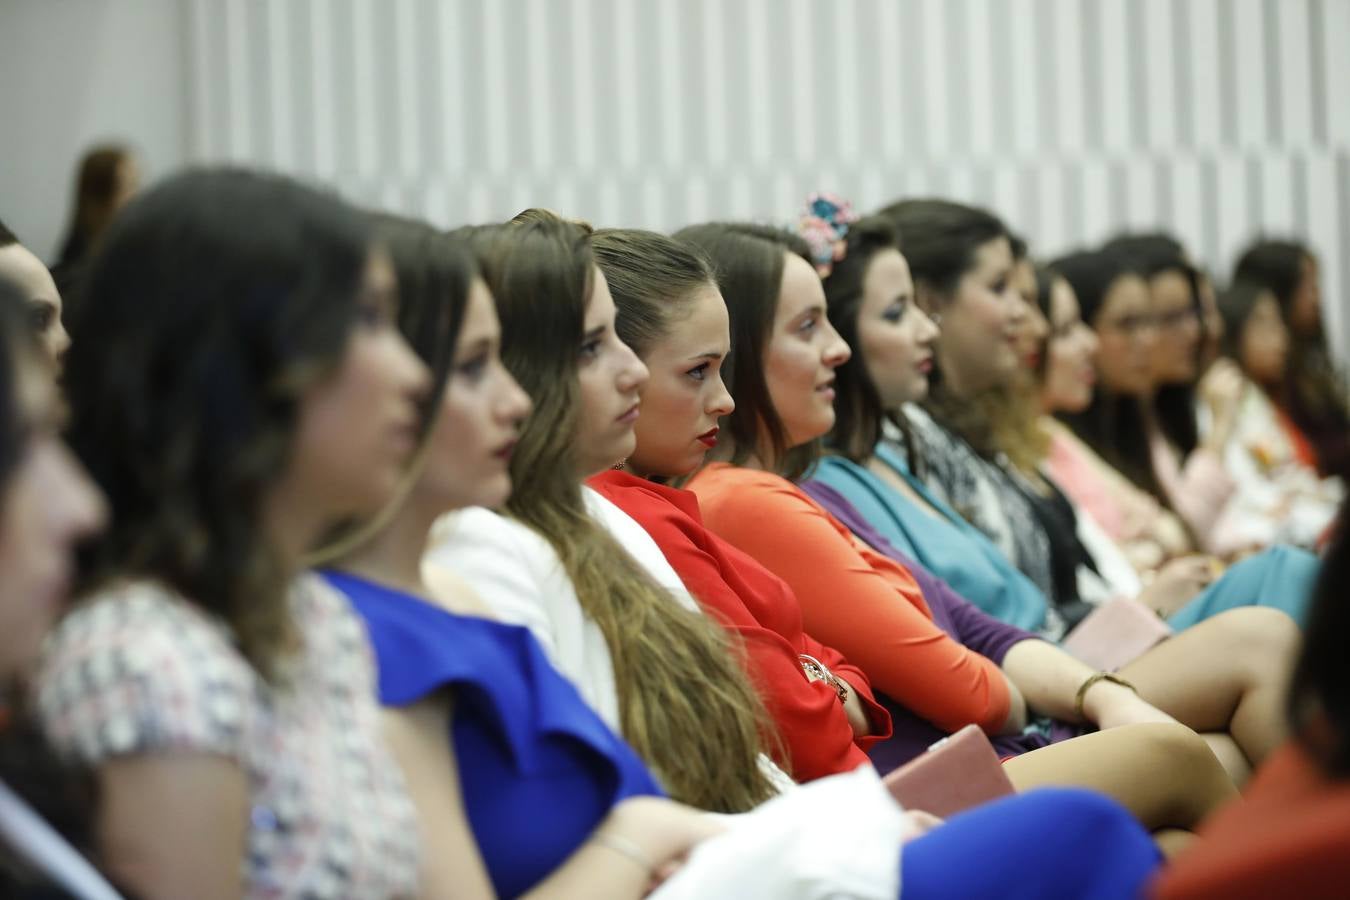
(136, 669)
(984, 494)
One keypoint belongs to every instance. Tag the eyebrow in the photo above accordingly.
(594, 332)
(479, 343)
(711, 354)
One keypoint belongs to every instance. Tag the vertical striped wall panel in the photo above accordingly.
(1074, 119)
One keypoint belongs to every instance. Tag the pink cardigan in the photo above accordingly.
(1149, 533)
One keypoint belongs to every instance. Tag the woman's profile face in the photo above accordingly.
(801, 354)
(48, 505)
(982, 322)
(1070, 354)
(358, 427)
(684, 397)
(1264, 345)
(30, 279)
(895, 336)
(610, 378)
(1176, 350)
(469, 457)
(1126, 333)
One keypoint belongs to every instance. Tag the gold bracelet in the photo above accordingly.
(1089, 682)
(624, 847)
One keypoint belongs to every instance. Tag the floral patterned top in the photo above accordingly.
(137, 669)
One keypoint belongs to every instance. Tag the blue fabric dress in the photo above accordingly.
(965, 558)
(540, 769)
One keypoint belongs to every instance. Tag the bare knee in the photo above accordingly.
(1265, 638)
(1192, 765)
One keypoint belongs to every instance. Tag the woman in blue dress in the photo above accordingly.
(520, 787)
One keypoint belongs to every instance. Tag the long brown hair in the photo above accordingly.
(748, 261)
(98, 187)
(216, 299)
(685, 704)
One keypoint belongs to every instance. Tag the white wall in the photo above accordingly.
(1217, 119)
(74, 72)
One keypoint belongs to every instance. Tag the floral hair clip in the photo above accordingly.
(824, 224)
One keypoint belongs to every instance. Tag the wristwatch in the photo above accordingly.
(817, 671)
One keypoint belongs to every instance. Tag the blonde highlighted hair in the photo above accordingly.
(685, 703)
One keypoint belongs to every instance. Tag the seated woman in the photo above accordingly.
(1147, 532)
(941, 663)
(954, 455)
(489, 733)
(1269, 457)
(1141, 419)
(561, 559)
(1313, 390)
(670, 312)
(24, 274)
(1291, 836)
(1113, 426)
(242, 391)
(872, 296)
(48, 506)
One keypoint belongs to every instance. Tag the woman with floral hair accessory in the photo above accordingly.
(935, 656)
(824, 225)
(1195, 677)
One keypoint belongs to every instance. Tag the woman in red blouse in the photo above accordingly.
(679, 327)
(826, 723)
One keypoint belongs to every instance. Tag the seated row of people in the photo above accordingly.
(469, 432)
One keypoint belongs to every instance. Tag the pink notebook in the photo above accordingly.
(956, 773)
(1116, 633)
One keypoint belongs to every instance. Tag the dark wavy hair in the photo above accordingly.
(216, 300)
(1313, 391)
(941, 238)
(1152, 254)
(434, 273)
(858, 411)
(97, 183)
(748, 261)
(1278, 265)
(685, 704)
(17, 346)
(1236, 306)
(1113, 424)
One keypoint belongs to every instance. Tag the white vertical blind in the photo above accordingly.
(1216, 119)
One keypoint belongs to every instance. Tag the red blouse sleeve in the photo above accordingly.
(810, 720)
(861, 603)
